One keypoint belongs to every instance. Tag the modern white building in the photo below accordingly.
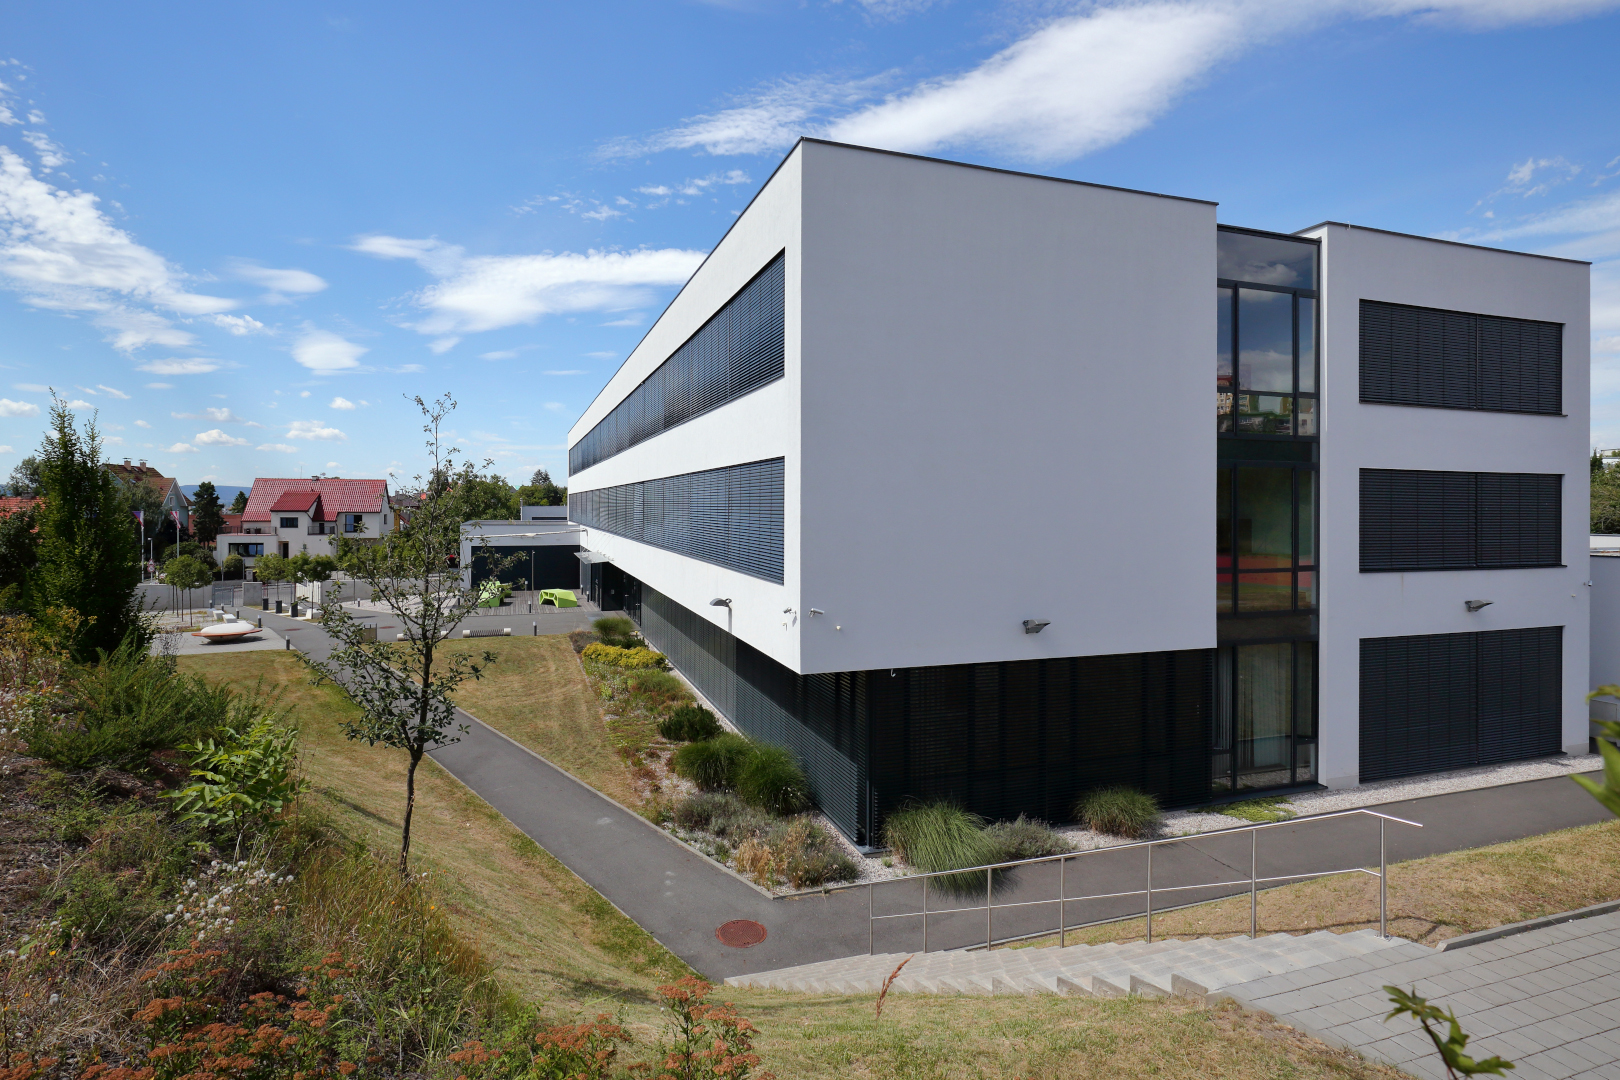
(916, 476)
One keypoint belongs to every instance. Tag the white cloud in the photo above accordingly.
(224, 416)
(278, 283)
(601, 355)
(217, 437)
(6, 450)
(18, 408)
(331, 466)
(62, 253)
(440, 346)
(301, 393)
(32, 388)
(105, 389)
(114, 440)
(322, 350)
(240, 325)
(342, 403)
(660, 189)
(142, 424)
(283, 447)
(178, 366)
(488, 292)
(79, 403)
(159, 386)
(180, 448)
(556, 406)
(635, 318)
(314, 429)
(1071, 86)
(499, 354)
(51, 156)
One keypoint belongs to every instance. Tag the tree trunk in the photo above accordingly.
(410, 805)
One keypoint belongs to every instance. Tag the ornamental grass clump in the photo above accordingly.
(712, 764)
(941, 836)
(1119, 811)
(769, 777)
(689, 723)
(618, 631)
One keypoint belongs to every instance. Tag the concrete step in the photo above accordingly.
(1190, 968)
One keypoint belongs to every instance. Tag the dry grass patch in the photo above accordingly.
(536, 694)
(552, 937)
(1430, 900)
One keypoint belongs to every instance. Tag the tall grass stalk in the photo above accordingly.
(941, 836)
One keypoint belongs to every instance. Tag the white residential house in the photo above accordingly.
(290, 516)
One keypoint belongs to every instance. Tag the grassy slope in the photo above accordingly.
(557, 942)
(536, 693)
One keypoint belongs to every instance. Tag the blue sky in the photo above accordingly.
(246, 232)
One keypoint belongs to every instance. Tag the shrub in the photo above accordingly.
(1119, 811)
(245, 777)
(657, 687)
(770, 778)
(689, 723)
(1024, 838)
(581, 638)
(940, 836)
(708, 1040)
(700, 811)
(617, 630)
(131, 705)
(614, 656)
(712, 764)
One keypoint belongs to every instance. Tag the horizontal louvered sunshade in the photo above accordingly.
(1446, 701)
(1456, 360)
(732, 517)
(737, 351)
(1419, 520)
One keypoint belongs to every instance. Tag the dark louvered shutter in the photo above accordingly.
(1457, 360)
(739, 349)
(1521, 693)
(1447, 701)
(1414, 519)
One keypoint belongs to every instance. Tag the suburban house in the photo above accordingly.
(291, 516)
(1003, 382)
(176, 507)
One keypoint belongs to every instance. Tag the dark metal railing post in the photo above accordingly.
(868, 918)
(1254, 873)
(1150, 895)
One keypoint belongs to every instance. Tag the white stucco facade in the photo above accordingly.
(1369, 264)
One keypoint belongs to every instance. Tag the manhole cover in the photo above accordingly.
(740, 933)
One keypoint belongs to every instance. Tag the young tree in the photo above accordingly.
(25, 477)
(19, 555)
(1606, 500)
(89, 554)
(185, 573)
(207, 515)
(239, 504)
(403, 688)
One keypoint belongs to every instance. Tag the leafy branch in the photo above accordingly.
(1451, 1047)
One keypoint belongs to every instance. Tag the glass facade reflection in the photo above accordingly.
(1266, 381)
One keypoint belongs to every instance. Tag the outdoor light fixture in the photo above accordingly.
(1035, 626)
(1475, 605)
(724, 602)
(817, 611)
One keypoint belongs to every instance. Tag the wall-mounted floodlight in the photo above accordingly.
(724, 602)
(817, 611)
(1475, 605)
(1035, 626)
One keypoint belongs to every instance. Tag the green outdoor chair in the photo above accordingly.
(558, 597)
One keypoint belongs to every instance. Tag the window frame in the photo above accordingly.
(1231, 575)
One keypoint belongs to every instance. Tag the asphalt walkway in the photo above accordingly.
(681, 897)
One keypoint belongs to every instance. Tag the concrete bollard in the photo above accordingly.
(507, 632)
(466, 633)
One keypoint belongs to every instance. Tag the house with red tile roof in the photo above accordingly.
(287, 516)
(175, 503)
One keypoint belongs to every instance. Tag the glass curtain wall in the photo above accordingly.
(1266, 418)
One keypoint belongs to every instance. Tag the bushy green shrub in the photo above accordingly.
(689, 723)
(656, 687)
(940, 836)
(1024, 838)
(712, 764)
(632, 659)
(130, 705)
(244, 778)
(1119, 811)
(769, 777)
(618, 631)
(613, 656)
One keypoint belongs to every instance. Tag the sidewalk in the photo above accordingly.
(680, 897)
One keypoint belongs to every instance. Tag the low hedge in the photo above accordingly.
(625, 658)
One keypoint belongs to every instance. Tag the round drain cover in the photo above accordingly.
(740, 933)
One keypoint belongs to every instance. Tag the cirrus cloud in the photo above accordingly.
(179, 366)
(282, 447)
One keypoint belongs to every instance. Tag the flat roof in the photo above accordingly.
(1437, 240)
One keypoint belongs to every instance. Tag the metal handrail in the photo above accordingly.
(1253, 880)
